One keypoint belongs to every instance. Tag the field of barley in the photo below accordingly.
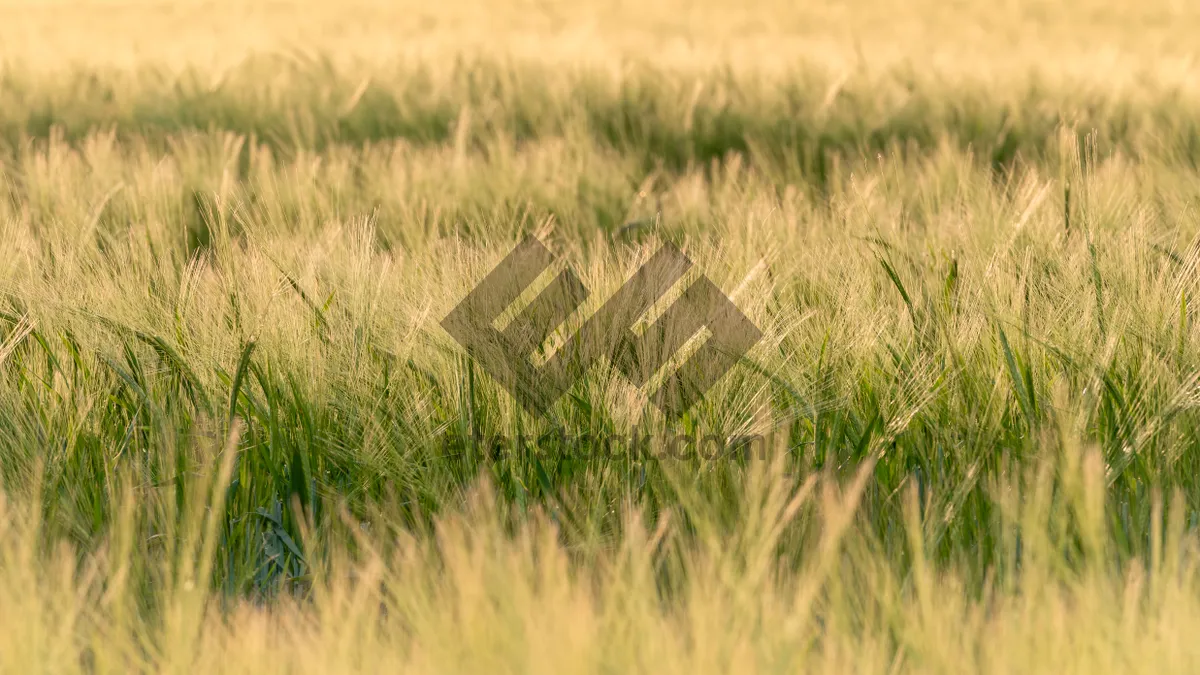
(236, 437)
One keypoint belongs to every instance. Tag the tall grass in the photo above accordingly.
(711, 595)
(233, 434)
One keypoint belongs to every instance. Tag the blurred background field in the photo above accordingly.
(234, 437)
(220, 33)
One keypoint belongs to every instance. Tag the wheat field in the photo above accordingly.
(235, 437)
